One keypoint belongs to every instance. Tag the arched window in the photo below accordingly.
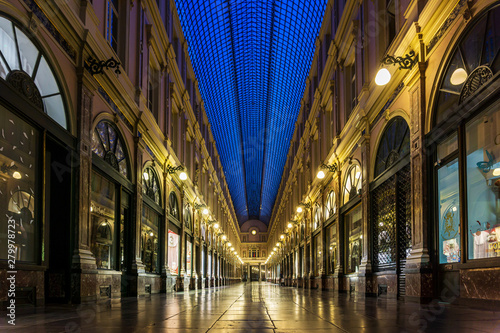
(474, 61)
(352, 183)
(23, 66)
(394, 145)
(317, 216)
(151, 185)
(187, 216)
(108, 144)
(173, 205)
(331, 205)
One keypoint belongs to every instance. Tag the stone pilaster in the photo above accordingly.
(366, 285)
(418, 266)
(83, 265)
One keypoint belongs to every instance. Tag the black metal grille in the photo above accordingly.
(404, 224)
(404, 211)
(384, 224)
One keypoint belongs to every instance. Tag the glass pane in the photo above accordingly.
(96, 145)
(150, 240)
(103, 242)
(472, 46)
(45, 80)
(332, 250)
(54, 107)
(447, 147)
(8, 44)
(189, 247)
(492, 41)
(352, 221)
(483, 184)
(28, 52)
(3, 69)
(19, 223)
(173, 252)
(449, 214)
(124, 215)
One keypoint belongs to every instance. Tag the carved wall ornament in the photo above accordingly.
(476, 79)
(23, 83)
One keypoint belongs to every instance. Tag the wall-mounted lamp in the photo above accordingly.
(330, 167)
(171, 170)
(384, 76)
(301, 204)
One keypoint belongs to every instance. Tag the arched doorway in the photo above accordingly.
(391, 203)
(466, 120)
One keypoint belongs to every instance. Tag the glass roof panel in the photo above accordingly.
(258, 55)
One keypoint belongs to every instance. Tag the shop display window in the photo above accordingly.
(449, 213)
(203, 269)
(19, 222)
(189, 250)
(104, 243)
(173, 252)
(203, 230)
(318, 255)
(352, 183)
(150, 240)
(209, 266)
(332, 248)
(352, 222)
(483, 184)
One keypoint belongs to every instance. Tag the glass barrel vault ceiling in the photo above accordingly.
(251, 59)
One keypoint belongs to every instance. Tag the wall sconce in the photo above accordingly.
(171, 170)
(329, 167)
(198, 206)
(384, 76)
(301, 204)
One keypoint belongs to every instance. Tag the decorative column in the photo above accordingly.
(179, 283)
(366, 283)
(166, 281)
(136, 284)
(419, 278)
(83, 265)
(338, 274)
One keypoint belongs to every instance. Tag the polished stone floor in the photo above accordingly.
(255, 307)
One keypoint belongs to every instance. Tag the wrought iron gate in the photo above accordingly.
(391, 224)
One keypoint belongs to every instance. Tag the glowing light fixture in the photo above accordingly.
(205, 211)
(458, 77)
(282, 236)
(229, 245)
(299, 209)
(216, 226)
(145, 175)
(383, 77)
(320, 175)
(151, 234)
(289, 225)
(183, 176)
(224, 237)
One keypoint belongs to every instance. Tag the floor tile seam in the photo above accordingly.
(318, 315)
(218, 319)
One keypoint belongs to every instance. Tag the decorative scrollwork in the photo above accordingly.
(331, 167)
(476, 79)
(97, 66)
(23, 83)
(405, 62)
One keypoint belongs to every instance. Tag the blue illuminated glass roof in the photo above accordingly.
(251, 59)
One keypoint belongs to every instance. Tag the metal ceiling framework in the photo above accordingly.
(251, 59)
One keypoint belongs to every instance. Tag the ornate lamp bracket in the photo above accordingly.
(170, 169)
(329, 167)
(405, 62)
